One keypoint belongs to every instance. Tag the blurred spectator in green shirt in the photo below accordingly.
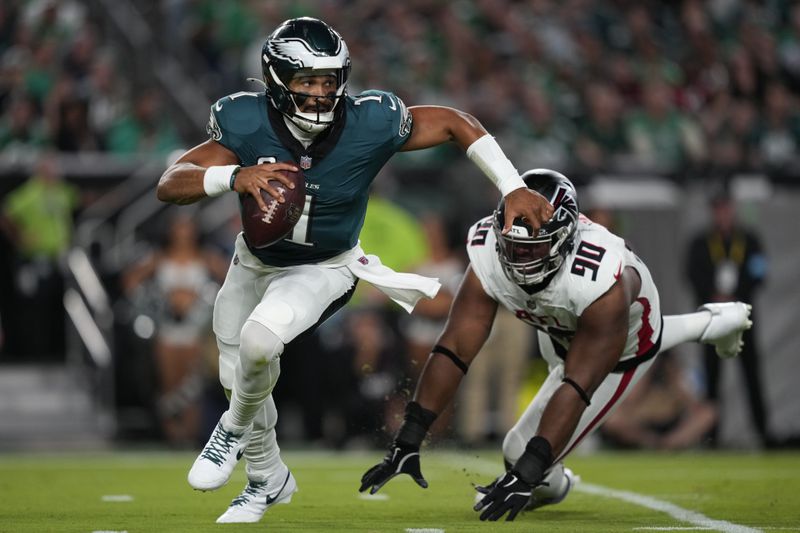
(661, 135)
(146, 130)
(37, 220)
(38, 214)
(21, 131)
(601, 134)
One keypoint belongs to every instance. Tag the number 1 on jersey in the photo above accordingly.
(301, 231)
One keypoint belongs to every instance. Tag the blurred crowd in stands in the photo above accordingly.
(685, 89)
(678, 87)
(65, 86)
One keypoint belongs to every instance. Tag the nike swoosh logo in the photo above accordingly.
(271, 499)
(239, 454)
(218, 106)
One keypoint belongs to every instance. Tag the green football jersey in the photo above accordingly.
(339, 166)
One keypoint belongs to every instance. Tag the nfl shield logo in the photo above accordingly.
(305, 162)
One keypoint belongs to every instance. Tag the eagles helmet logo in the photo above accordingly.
(298, 53)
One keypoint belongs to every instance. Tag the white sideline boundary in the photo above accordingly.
(699, 520)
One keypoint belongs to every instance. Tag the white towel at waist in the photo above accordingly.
(403, 288)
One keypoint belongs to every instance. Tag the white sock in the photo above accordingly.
(263, 455)
(684, 328)
(249, 395)
(255, 376)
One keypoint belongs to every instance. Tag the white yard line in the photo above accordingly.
(667, 528)
(699, 520)
(678, 513)
(373, 497)
(116, 498)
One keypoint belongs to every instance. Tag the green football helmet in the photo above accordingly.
(305, 46)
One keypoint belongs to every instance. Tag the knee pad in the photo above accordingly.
(258, 344)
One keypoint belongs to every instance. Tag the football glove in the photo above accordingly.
(508, 493)
(399, 460)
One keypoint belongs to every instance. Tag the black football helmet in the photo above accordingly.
(304, 45)
(529, 259)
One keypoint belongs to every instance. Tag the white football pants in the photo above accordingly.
(287, 301)
(677, 329)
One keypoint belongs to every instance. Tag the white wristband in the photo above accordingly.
(217, 179)
(487, 154)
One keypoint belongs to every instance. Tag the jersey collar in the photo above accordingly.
(322, 145)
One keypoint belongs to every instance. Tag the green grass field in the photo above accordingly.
(734, 492)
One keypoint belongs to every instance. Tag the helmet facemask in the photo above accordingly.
(292, 102)
(528, 260)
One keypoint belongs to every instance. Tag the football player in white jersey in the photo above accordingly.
(599, 324)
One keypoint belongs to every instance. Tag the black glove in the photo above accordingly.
(399, 460)
(507, 493)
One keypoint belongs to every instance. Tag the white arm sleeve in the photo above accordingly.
(489, 157)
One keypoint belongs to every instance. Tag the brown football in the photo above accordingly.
(264, 228)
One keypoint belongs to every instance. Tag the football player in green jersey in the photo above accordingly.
(272, 295)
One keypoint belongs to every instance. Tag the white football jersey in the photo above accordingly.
(590, 269)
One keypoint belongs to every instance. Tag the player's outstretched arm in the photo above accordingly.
(434, 125)
(593, 353)
(210, 169)
(468, 326)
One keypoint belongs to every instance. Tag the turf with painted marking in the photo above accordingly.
(42, 493)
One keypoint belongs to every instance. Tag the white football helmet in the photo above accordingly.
(529, 259)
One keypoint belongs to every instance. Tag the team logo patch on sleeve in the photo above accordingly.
(405, 119)
(213, 128)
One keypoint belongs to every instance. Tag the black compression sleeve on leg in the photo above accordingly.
(534, 461)
(417, 422)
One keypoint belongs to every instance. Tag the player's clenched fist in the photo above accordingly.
(399, 460)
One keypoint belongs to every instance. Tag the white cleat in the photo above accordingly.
(554, 491)
(729, 320)
(258, 496)
(215, 464)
